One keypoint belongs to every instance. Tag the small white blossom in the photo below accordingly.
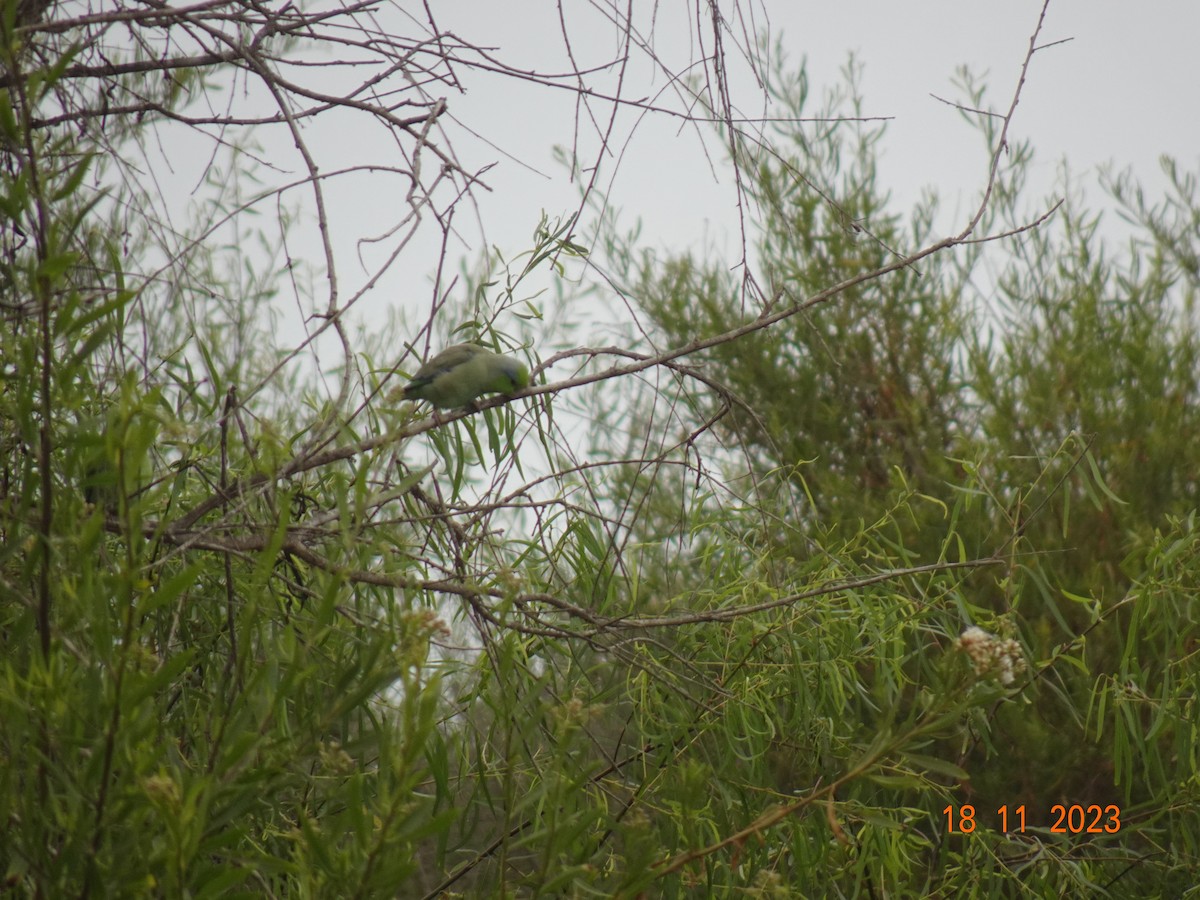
(992, 656)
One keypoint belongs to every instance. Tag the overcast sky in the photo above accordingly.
(1122, 90)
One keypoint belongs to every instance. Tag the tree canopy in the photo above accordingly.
(862, 565)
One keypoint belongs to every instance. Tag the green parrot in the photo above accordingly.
(459, 374)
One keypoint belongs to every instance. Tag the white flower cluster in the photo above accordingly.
(992, 656)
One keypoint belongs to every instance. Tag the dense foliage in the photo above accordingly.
(893, 558)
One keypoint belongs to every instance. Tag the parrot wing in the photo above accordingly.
(448, 360)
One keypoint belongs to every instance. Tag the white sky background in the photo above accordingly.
(1124, 90)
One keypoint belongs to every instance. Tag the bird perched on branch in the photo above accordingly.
(459, 374)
